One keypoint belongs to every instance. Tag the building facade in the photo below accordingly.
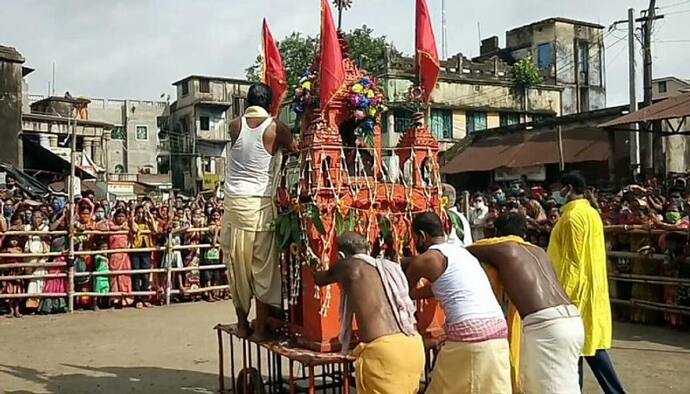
(197, 129)
(569, 52)
(12, 73)
(470, 96)
(675, 149)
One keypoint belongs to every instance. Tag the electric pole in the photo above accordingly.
(634, 135)
(648, 18)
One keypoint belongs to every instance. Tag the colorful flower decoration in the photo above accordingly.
(365, 100)
(304, 96)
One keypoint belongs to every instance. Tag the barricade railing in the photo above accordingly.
(30, 271)
(645, 284)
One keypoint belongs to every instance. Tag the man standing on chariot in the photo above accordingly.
(248, 239)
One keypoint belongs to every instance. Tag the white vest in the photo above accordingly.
(463, 289)
(251, 168)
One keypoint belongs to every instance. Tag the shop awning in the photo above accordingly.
(525, 149)
(676, 107)
(39, 158)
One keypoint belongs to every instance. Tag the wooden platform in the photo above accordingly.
(328, 372)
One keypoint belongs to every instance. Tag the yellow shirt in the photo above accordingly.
(578, 252)
(142, 237)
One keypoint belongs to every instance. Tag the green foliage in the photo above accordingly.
(298, 51)
(288, 229)
(526, 73)
(314, 215)
(344, 224)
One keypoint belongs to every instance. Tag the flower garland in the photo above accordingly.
(366, 102)
(304, 96)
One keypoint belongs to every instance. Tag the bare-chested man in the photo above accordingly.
(553, 334)
(390, 357)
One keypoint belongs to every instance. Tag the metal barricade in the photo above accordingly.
(70, 275)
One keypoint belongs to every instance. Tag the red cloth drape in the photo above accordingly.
(332, 72)
(428, 66)
(274, 74)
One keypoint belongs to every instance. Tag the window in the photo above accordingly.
(185, 88)
(119, 169)
(142, 133)
(207, 168)
(544, 56)
(476, 121)
(402, 120)
(119, 133)
(662, 87)
(583, 61)
(204, 86)
(442, 123)
(204, 123)
(508, 118)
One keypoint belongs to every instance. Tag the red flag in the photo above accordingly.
(332, 72)
(428, 65)
(274, 74)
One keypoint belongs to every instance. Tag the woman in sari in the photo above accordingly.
(120, 261)
(36, 245)
(56, 285)
(82, 242)
(11, 245)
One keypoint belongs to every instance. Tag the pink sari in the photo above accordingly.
(120, 262)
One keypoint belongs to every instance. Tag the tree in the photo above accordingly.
(526, 73)
(365, 50)
(297, 52)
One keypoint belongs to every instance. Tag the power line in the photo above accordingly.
(677, 12)
(674, 5)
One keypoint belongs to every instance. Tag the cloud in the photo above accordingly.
(137, 48)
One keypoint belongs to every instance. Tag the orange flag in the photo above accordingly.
(274, 74)
(332, 72)
(428, 65)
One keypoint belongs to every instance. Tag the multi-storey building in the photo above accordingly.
(570, 53)
(197, 128)
(470, 96)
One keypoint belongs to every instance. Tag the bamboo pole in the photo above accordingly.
(168, 268)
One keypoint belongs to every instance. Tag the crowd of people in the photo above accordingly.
(146, 226)
(647, 204)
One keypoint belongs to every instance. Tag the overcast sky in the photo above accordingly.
(137, 48)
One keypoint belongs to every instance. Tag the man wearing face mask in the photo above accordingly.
(578, 253)
(476, 330)
(477, 216)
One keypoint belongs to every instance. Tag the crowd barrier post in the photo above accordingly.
(70, 256)
(168, 268)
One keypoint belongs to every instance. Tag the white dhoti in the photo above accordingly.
(552, 343)
(250, 251)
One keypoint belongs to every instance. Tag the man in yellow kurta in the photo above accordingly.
(578, 252)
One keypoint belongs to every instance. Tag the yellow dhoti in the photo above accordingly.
(472, 368)
(392, 364)
(250, 251)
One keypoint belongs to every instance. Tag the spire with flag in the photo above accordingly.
(427, 63)
(332, 72)
(273, 73)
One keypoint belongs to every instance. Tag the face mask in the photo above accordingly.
(100, 216)
(7, 212)
(673, 217)
(501, 198)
